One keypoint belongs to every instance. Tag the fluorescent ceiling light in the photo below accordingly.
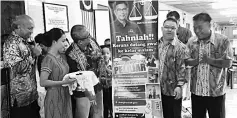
(224, 4)
(228, 12)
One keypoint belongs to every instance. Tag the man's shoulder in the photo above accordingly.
(220, 36)
(132, 23)
(220, 40)
(12, 40)
(115, 22)
(69, 49)
(192, 40)
(181, 44)
(183, 29)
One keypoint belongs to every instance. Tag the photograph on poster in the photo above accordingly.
(152, 61)
(153, 75)
(121, 12)
(152, 91)
(153, 108)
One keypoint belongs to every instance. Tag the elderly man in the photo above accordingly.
(18, 55)
(172, 53)
(84, 54)
(211, 55)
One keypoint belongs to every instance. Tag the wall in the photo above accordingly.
(229, 31)
(101, 20)
(188, 17)
(102, 26)
(35, 10)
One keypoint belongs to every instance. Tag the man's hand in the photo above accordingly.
(192, 62)
(178, 93)
(36, 50)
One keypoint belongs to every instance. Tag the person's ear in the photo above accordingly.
(162, 29)
(115, 13)
(18, 26)
(209, 24)
(54, 42)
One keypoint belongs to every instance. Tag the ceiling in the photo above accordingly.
(197, 6)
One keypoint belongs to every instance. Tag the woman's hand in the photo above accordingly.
(69, 80)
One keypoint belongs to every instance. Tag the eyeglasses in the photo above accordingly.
(88, 36)
(120, 10)
(170, 28)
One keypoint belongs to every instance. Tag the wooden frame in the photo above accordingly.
(55, 16)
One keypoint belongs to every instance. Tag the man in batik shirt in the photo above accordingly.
(211, 55)
(18, 55)
(84, 54)
(172, 53)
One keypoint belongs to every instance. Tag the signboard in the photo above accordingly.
(134, 38)
(55, 16)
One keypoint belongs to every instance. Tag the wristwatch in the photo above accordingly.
(179, 86)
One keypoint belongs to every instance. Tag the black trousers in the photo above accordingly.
(171, 107)
(107, 100)
(29, 111)
(214, 105)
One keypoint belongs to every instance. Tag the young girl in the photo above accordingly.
(53, 68)
(106, 80)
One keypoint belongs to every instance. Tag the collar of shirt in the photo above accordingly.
(118, 23)
(211, 38)
(178, 30)
(18, 37)
(173, 42)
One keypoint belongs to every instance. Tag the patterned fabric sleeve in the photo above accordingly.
(46, 64)
(12, 57)
(189, 35)
(180, 65)
(226, 50)
(11, 54)
(189, 46)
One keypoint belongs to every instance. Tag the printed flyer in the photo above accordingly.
(134, 38)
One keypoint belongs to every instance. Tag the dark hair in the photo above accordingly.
(148, 58)
(170, 19)
(119, 2)
(41, 39)
(74, 32)
(107, 40)
(53, 35)
(105, 46)
(173, 13)
(202, 17)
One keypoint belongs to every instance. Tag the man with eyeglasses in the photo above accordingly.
(122, 25)
(84, 54)
(210, 56)
(183, 35)
(172, 53)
